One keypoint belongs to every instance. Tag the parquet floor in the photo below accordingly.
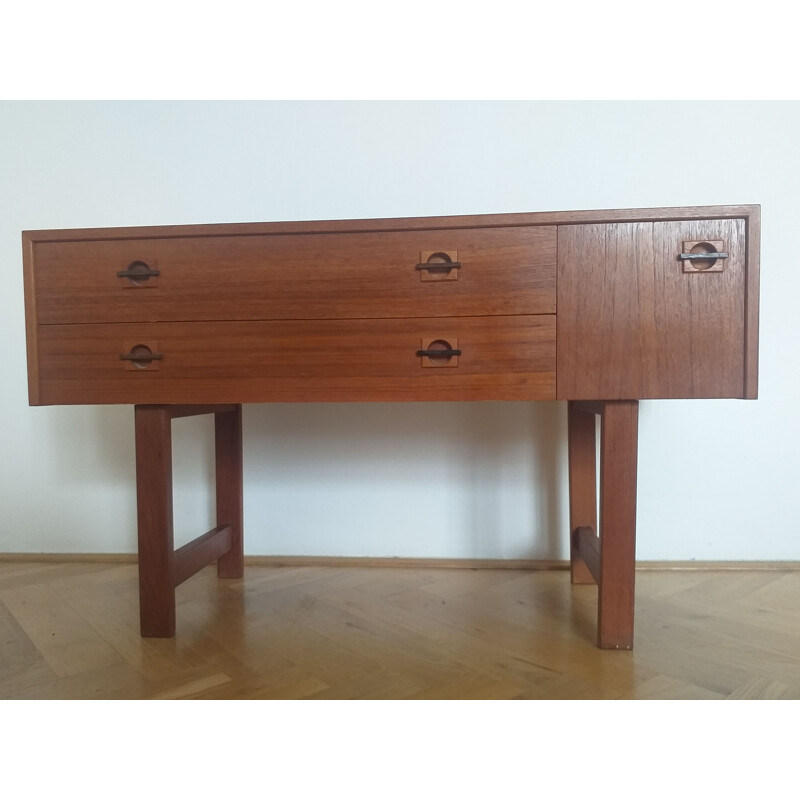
(70, 630)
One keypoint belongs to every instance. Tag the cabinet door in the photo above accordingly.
(636, 320)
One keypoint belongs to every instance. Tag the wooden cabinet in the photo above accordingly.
(600, 309)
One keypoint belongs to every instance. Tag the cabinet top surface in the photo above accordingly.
(751, 212)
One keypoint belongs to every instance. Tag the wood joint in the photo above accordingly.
(586, 544)
(200, 552)
(588, 406)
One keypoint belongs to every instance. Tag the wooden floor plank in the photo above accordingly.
(289, 684)
(194, 687)
(781, 595)
(24, 573)
(663, 687)
(66, 641)
(21, 663)
(766, 689)
(109, 603)
(477, 684)
(114, 682)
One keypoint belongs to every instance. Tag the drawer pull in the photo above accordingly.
(137, 271)
(439, 265)
(707, 256)
(141, 356)
(439, 353)
(703, 256)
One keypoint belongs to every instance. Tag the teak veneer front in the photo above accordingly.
(598, 308)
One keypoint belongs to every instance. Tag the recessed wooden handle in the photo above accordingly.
(703, 256)
(137, 271)
(431, 266)
(438, 265)
(141, 356)
(439, 351)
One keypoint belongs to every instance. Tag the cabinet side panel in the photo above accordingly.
(31, 320)
(751, 303)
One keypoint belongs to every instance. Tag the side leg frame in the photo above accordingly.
(161, 567)
(607, 559)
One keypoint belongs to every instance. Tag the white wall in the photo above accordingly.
(718, 479)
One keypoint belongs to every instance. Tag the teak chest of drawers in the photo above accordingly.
(598, 308)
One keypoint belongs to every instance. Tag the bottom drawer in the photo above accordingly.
(496, 358)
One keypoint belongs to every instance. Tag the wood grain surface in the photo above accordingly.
(632, 324)
(316, 276)
(396, 223)
(511, 358)
(628, 325)
(618, 468)
(155, 524)
(582, 454)
(229, 491)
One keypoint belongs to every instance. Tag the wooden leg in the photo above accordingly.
(581, 433)
(618, 457)
(228, 438)
(161, 567)
(154, 493)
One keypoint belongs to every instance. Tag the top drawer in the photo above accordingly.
(498, 271)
